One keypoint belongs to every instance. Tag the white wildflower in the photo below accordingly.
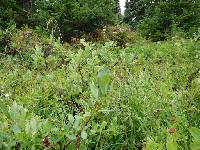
(7, 95)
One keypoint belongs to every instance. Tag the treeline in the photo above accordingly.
(154, 19)
(66, 17)
(158, 19)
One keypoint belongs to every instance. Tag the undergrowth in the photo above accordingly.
(99, 96)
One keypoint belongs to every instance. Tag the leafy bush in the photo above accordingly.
(5, 37)
(7, 13)
(99, 96)
(120, 34)
(86, 16)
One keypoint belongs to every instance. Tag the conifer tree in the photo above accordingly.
(117, 8)
(158, 19)
(134, 12)
(86, 15)
(71, 17)
(164, 17)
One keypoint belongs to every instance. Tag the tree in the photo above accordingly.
(164, 16)
(86, 16)
(134, 12)
(158, 19)
(7, 13)
(19, 11)
(25, 13)
(71, 17)
(117, 9)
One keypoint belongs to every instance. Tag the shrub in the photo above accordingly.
(121, 34)
(5, 37)
(100, 96)
(86, 16)
(7, 13)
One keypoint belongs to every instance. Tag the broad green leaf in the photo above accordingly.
(103, 124)
(103, 77)
(195, 132)
(195, 145)
(104, 72)
(72, 146)
(33, 125)
(94, 90)
(33, 147)
(152, 145)
(171, 143)
(77, 122)
(14, 110)
(87, 114)
(17, 113)
(83, 135)
(71, 137)
(71, 118)
(16, 129)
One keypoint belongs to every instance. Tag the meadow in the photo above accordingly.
(98, 95)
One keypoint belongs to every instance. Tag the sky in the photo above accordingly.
(122, 4)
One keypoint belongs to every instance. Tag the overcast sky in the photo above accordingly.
(122, 4)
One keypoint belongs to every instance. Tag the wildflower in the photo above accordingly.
(171, 130)
(46, 142)
(7, 95)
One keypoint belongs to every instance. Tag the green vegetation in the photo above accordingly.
(99, 96)
(159, 20)
(69, 18)
(73, 76)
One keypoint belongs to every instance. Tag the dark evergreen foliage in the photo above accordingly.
(7, 12)
(71, 18)
(159, 19)
(117, 8)
(135, 11)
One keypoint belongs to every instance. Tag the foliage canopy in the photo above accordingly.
(159, 19)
